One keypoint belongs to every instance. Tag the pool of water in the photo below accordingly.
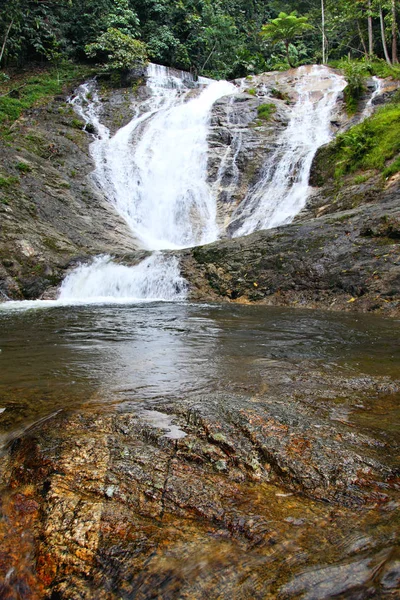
(62, 357)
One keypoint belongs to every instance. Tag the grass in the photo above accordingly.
(372, 144)
(28, 91)
(23, 167)
(265, 111)
(392, 169)
(369, 68)
(7, 182)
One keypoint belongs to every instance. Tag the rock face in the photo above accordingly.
(239, 143)
(348, 260)
(51, 212)
(102, 504)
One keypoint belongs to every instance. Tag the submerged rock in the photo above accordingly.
(109, 507)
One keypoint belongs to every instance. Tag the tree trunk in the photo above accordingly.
(385, 49)
(370, 31)
(323, 32)
(5, 40)
(394, 33)
(360, 33)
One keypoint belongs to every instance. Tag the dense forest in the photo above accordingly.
(219, 38)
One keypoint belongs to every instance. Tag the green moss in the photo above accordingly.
(7, 182)
(77, 123)
(50, 243)
(35, 90)
(265, 111)
(252, 91)
(275, 93)
(359, 179)
(23, 167)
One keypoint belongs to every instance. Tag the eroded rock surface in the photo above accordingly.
(347, 260)
(100, 503)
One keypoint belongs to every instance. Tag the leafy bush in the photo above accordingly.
(355, 73)
(265, 111)
(118, 51)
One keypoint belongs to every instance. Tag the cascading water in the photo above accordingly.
(283, 188)
(369, 108)
(155, 278)
(154, 171)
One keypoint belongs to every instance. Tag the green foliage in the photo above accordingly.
(34, 90)
(119, 51)
(392, 169)
(252, 91)
(122, 18)
(286, 28)
(372, 144)
(8, 182)
(355, 74)
(23, 167)
(265, 111)
(219, 38)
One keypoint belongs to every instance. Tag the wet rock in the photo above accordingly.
(110, 507)
(347, 260)
(344, 581)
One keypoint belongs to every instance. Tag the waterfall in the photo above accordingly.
(283, 188)
(154, 170)
(369, 107)
(155, 278)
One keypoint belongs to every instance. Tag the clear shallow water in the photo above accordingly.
(68, 356)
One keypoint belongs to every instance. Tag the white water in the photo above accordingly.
(154, 171)
(155, 278)
(370, 107)
(283, 188)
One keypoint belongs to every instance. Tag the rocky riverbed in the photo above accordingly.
(272, 473)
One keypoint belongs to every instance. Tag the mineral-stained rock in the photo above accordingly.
(99, 503)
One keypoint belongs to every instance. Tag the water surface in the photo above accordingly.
(67, 356)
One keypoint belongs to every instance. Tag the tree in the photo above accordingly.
(394, 33)
(286, 28)
(119, 51)
(121, 17)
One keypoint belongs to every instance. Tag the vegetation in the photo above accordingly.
(372, 145)
(220, 38)
(22, 92)
(286, 28)
(119, 51)
(265, 111)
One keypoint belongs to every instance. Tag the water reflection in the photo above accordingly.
(63, 357)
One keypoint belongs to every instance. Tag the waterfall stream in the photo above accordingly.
(154, 170)
(282, 190)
